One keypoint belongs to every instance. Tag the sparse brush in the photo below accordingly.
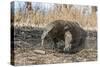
(37, 18)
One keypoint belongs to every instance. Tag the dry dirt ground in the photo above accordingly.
(27, 39)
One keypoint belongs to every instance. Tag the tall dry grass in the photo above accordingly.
(33, 18)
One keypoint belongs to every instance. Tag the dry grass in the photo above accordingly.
(27, 57)
(33, 18)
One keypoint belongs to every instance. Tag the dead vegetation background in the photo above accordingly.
(38, 16)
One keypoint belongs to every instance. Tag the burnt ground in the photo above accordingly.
(27, 39)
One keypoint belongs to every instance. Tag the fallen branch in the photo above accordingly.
(39, 52)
